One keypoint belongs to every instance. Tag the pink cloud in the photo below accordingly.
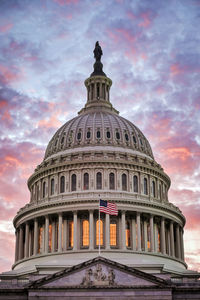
(146, 20)
(9, 76)
(7, 240)
(5, 28)
(66, 2)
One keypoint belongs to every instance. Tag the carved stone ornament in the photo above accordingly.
(97, 277)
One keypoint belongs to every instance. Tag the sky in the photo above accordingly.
(150, 51)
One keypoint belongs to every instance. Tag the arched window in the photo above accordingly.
(135, 184)
(99, 181)
(37, 192)
(145, 187)
(113, 233)
(124, 182)
(71, 234)
(43, 189)
(126, 137)
(40, 239)
(97, 232)
(88, 135)
(73, 182)
(85, 233)
(160, 189)
(79, 135)
(52, 186)
(128, 235)
(154, 189)
(86, 181)
(112, 181)
(62, 184)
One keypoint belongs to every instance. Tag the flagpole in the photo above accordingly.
(99, 228)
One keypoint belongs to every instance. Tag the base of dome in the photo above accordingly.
(147, 262)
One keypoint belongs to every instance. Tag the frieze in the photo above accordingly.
(98, 277)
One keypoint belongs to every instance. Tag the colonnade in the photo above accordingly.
(130, 231)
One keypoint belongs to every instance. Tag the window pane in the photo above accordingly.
(101, 233)
(43, 189)
(62, 184)
(85, 230)
(145, 187)
(128, 237)
(99, 181)
(112, 181)
(113, 234)
(52, 186)
(71, 234)
(73, 185)
(124, 182)
(153, 188)
(86, 181)
(135, 184)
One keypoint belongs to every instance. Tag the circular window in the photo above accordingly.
(98, 134)
(134, 139)
(108, 134)
(79, 136)
(117, 135)
(126, 137)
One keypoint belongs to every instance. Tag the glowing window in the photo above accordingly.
(50, 238)
(85, 233)
(62, 184)
(86, 181)
(99, 181)
(71, 234)
(97, 232)
(52, 186)
(40, 239)
(73, 182)
(124, 182)
(113, 234)
(135, 184)
(112, 181)
(128, 235)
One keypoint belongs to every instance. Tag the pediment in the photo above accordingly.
(99, 272)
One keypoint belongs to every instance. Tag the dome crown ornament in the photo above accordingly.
(98, 66)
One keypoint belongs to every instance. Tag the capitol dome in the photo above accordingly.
(99, 154)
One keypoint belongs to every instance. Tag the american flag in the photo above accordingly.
(108, 207)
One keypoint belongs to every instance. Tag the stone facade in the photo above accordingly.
(98, 154)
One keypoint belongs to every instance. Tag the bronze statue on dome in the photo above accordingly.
(98, 52)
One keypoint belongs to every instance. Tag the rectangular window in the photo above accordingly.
(113, 234)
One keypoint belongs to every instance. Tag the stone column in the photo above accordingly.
(178, 248)
(21, 246)
(27, 240)
(123, 232)
(182, 243)
(35, 244)
(138, 232)
(162, 236)
(46, 235)
(172, 252)
(91, 221)
(145, 236)
(151, 234)
(75, 230)
(60, 232)
(16, 245)
(65, 235)
(107, 231)
(53, 236)
(133, 235)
